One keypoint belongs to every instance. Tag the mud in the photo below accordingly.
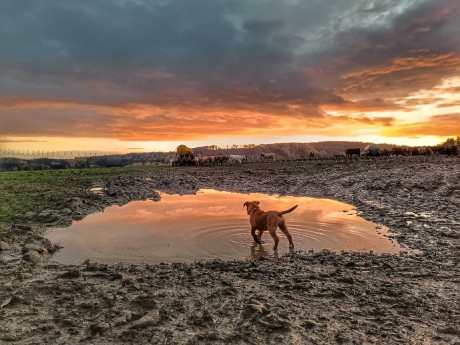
(301, 298)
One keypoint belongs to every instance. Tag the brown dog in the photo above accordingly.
(270, 220)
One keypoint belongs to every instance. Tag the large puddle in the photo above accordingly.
(210, 225)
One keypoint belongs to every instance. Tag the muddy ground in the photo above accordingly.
(318, 298)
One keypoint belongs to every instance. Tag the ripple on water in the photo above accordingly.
(212, 224)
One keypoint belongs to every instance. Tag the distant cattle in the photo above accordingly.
(267, 156)
(372, 150)
(220, 160)
(353, 152)
(204, 160)
(400, 151)
(425, 151)
(237, 159)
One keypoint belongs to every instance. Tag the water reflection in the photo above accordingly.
(96, 190)
(264, 251)
(258, 251)
(212, 224)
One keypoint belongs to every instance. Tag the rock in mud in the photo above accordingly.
(22, 227)
(31, 247)
(48, 216)
(30, 215)
(54, 248)
(257, 308)
(111, 192)
(26, 275)
(4, 246)
(150, 319)
(66, 211)
(75, 203)
(33, 257)
(309, 324)
(274, 321)
(99, 328)
(71, 274)
(449, 330)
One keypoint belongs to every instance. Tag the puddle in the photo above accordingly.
(213, 224)
(97, 190)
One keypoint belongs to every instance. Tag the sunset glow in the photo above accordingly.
(135, 76)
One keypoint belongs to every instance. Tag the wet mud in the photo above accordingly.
(305, 297)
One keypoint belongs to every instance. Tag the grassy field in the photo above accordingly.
(26, 191)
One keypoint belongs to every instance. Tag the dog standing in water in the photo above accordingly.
(270, 221)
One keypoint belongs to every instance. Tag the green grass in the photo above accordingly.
(24, 191)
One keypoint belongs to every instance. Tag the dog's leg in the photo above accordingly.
(285, 231)
(253, 233)
(275, 238)
(259, 236)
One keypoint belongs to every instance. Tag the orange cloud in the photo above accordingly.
(367, 105)
(407, 63)
(449, 104)
(402, 76)
(195, 121)
(442, 125)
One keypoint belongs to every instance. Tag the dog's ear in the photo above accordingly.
(246, 204)
(256, 203)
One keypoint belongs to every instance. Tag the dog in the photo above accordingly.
(270, 221)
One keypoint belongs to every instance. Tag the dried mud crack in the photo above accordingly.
(301, 298)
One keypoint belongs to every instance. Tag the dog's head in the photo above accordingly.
(251, 205)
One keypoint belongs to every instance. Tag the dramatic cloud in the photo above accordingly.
(194, 69)
(444, 125)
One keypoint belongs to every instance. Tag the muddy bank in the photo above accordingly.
(307, 297)
(316, 298)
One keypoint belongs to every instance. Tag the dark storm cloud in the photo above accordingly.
(204, 45)
(422, 34)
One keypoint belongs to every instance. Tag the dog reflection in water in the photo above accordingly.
(270, 221)
(258, 252)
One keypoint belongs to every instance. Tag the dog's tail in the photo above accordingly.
(287, 211)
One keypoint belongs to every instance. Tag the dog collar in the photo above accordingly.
(255, 208)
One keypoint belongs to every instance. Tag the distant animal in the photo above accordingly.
(238, 159)
(372, 150)
(270, 221)
(204, 160)
(267, 156)
(353, 152)
(220, 160)
(398, 151)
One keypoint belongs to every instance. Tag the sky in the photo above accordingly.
(148, 75)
